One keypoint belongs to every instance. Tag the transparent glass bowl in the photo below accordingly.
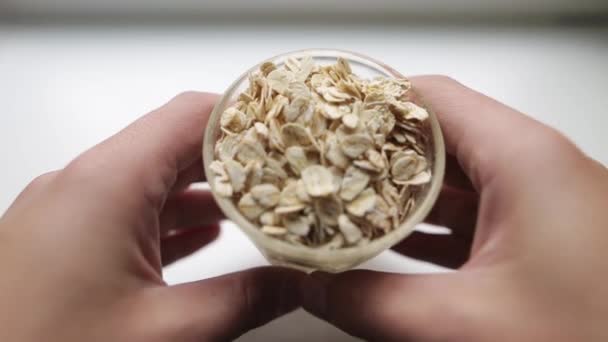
(282, 253)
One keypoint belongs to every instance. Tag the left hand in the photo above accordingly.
(82, 249)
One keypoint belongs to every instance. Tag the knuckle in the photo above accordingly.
(444, 79)
(539, 143)
(194, 100)
(42, 180)
(555, 137)
(77, 167)
(187, 95)
(83, 173)
(193, 96)
(552, 143)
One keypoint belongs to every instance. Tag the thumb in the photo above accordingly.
(225, 307)
(388, 307)
(489, 139)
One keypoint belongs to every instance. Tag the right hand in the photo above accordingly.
(529, 218)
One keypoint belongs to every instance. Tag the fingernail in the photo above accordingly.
(314, 292)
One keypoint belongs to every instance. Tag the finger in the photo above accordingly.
(31, 193)
(192, 174)
(145, 158)
(223, 308)
(488, 138)
(457, 210)
(445, 250)
(189, 208)
(184, 243)
(455, 176)
(385, 307)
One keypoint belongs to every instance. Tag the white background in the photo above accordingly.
(65, 87)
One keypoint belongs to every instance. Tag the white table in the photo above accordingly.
(64, 88)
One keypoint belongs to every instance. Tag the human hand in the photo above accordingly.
(82, 249)
(529, 222)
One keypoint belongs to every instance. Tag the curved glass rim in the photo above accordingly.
(305, 256)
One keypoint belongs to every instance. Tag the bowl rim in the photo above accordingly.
(300, 254)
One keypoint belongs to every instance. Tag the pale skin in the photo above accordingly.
(530, 239)
(82, 248)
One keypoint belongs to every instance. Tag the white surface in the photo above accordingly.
(62, 89)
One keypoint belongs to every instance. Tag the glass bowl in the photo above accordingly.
(282, 253)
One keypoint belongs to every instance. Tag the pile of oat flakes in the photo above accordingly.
(317, 156)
